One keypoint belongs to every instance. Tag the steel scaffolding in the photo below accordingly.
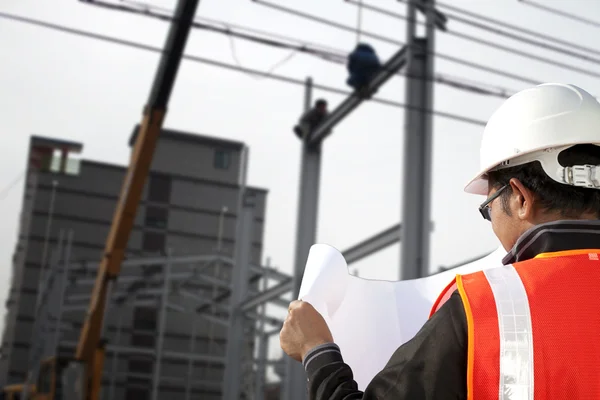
(176, 284)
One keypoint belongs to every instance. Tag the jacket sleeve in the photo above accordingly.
(433, 365)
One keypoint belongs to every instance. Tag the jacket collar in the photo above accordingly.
(555, 236)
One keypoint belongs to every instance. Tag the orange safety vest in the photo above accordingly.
(533, 328)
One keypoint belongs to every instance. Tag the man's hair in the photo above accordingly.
(568, 201)
(321, 103)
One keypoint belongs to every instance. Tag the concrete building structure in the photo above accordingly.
(188, 208)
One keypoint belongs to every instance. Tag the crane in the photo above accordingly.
(85, 369)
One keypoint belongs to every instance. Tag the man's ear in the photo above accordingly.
(522, 200)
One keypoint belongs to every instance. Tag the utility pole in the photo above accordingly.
(418, 138)
(306, 232)
(235, 332)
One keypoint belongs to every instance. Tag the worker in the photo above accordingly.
(311, 119)
(363, 63)
(528, 329)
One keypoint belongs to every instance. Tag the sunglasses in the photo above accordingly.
(485, 208)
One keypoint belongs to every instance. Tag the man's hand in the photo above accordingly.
(303, 329)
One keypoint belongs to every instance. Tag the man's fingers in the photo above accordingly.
(294, 305)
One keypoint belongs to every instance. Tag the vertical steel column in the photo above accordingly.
(263, 354)
(192, 350)
(38, 333)
(418, 137)
(61, 292)
(239, 291)
(115, 358)
(215, 290)
(259, 383)
(164, 300)
(42, 289)
(47, 235)
(306, 232)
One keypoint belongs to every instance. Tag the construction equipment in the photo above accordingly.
(13, 392)
(81, 377)
(49, 385)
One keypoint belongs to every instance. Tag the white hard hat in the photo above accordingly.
(536, 125)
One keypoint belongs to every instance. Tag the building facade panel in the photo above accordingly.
(202, 224)
(204, 196)
(219, 161)
(192, 179)
(95, 178)
(75, 204)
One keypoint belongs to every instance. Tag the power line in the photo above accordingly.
(331, 55)
(523, 39)
(258, 36)
(229, 25)
(282, 78)
(448, 57)
(517, 28)
(489, 43)
(4, 192)
(359, 21)
(561, 13)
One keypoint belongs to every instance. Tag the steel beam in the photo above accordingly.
(306, 232)
(150, 353)
(273, 273)
(162, 322)
(138, 262)
(115, 359)
(126, 376)
(261, 367)
(235, 334)
(361, 250)
(418, 142)
(267, 295)
(266, 318)
(256, 269)
(389, 69)
(262, 354)
(178, 276)
(373, 244)
(208, 317)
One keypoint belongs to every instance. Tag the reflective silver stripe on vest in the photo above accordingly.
(516, 338)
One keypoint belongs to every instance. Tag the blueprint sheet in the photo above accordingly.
(370, 319)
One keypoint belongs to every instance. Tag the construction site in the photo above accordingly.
(150, 280)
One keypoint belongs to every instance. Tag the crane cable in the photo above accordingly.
(359, 21)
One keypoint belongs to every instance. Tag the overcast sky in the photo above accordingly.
(64, 86)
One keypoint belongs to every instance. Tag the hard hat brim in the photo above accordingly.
(478, 185)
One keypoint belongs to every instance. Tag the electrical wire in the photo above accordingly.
(506, 34)
(154, 11)
(322, 52)
(561, 13)
(517, 28)
(489, 43)
(147, 8)
(220, 64)
(4, 192)
(359, 13)
(385, 39)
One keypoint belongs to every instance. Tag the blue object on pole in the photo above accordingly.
(363, 63)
